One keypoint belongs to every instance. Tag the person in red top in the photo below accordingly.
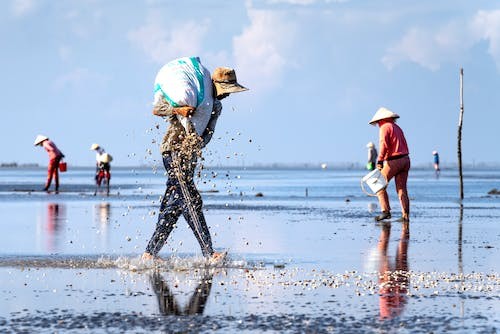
(393, 161)
(55, 157)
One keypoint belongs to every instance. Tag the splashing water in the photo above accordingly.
(129, 263)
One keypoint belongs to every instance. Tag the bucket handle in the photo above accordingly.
(370, 194)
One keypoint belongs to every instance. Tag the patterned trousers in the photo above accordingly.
(181, 197)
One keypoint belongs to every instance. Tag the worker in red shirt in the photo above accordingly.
(393, 161)
(55, 157)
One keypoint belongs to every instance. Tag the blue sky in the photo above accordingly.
(82, 72)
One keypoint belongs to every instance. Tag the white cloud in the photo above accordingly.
(486, 24)
(78, 79)
(262, 51)
(86, 21)
(22, 7)
(416, 46)
(163, 43)
(215, 59)
(448, 43)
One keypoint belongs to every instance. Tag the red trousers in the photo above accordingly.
(399, 170)
(53, 172)
(100, 176)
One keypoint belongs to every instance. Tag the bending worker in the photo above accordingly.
(190, 129)
(55, 157)
(103, 164)
(393, 161)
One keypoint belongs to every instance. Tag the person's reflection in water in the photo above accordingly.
(56, 216)
(103, 213)
(393, 279)
(166, 299)
(102, 216)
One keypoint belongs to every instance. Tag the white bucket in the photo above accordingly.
(375, 180)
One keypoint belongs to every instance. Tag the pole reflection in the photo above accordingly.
(460, 255)
(394, 278)
(167, 302)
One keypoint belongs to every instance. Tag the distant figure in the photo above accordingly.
(393, 161)
(55, 157)
(372, 156)
(436, 161)
(103, 167)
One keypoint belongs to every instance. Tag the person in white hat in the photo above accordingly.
(181, 147)
(55, 157)
(393, 161)
(372, 156)
(103, 167)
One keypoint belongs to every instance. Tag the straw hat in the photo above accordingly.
(370, 145)
(94, 147)
(381, 114)
(39, 139)
(224, 79)
(106, 158)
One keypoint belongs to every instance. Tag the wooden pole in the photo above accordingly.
(460, 121)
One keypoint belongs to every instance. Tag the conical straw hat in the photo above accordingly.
(39, 139)
(370, 144)
(94, 146)
(106, 158)
(381, 114)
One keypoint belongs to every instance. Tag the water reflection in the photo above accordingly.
(167, 302)
(460, 240)
(102, 213)
(54, 222)
(102, 218)
(372, 207)
(460, 255)
(393, 277)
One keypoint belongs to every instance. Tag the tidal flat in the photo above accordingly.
(70, 262)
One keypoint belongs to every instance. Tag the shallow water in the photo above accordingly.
(70, 261)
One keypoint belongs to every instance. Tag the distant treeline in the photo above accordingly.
(16, 165)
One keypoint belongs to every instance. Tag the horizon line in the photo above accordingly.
(285, 165)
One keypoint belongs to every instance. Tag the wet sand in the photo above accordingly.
(71, 263)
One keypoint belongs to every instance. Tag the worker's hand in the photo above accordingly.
(184, 111)
(380, 165)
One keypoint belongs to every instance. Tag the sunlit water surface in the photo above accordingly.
(305, 256)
